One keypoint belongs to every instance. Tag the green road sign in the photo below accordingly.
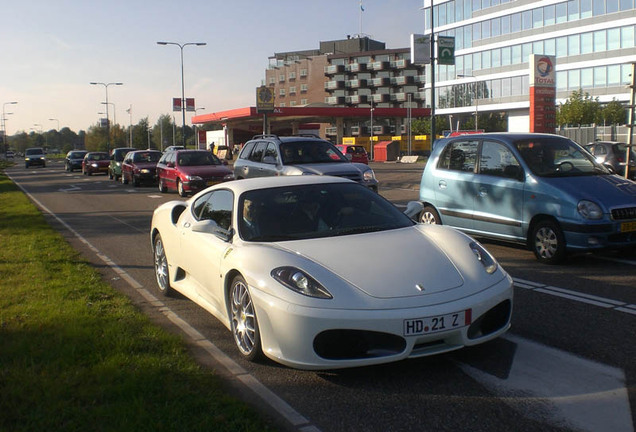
(445, 50)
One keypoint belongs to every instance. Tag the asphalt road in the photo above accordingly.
(567, 363)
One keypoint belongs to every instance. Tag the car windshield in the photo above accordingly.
(34, 152)
(197, 158)
(98, 156)
(557, 157)
(77, 155)
(310, 152)
(147, 157)
(315, 211)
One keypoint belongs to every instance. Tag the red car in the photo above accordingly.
(95, 162)
(354, 153)
(189, 171)
(140, 166)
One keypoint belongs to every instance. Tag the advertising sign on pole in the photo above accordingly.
(190, 104)
(176, 104)
(446, 50)
(420, 49)
(264, 100)
(542, 93)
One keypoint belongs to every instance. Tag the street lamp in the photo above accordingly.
(196, 134)
(181, 46)
(58, 123)
(4, 124)
(475, 96)
(107, 119)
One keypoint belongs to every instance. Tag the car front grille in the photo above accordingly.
(351, 176)
(624, 213)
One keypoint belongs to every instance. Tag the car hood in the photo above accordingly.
(610, 190)
(399, 259)
(206, 170)
(335, 168)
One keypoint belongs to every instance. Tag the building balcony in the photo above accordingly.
(399, 97)
(382, 97)
(357, 99)
(335, 100)
(356, 67)
(356, 83)
(400, 64)
(334, 85)
(379, 82)
(402, 80)
(334, 69)
(380, 65)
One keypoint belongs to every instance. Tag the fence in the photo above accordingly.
(588, 134)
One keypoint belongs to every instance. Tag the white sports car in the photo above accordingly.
(319, 272)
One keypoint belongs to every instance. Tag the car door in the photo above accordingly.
(454, 183)
(169, 171)
(202, 246)
(126, 167)
(499, 199)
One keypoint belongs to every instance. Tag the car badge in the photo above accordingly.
(419, 287)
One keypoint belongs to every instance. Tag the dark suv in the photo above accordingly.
(271, 155)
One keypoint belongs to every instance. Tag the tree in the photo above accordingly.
(613, 113)
(579, 109)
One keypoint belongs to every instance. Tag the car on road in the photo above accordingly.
(116, 157)
(271, 155)
(190, 171)
(95, 163)
(140, 166)
(355, 153)
(278, 261)
(174, 148)
(73, 160)
(541, 190)
(34, 156)
(614, 154)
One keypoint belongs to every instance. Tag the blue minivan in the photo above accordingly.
(542, 190)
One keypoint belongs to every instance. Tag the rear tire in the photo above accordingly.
(547, 242)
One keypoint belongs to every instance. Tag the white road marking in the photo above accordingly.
(571, 391)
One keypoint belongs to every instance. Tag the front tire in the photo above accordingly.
(548, 242)
(181, 189)
(162, 272)
(430, 216)
(162, 186)
(244, 323)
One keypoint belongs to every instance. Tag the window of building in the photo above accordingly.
(600, 76)
(613, 75)
(292, 76)
(505, 87)
(562, 80)
(281, 78)
(292, 103)
(526, 20)
(485, 59)
(505, 56)
(574, 79)
(626, 73)
(587, 78)
(600, 41)
(626, 4)
(303, 88)
(549, 46)
(548, 15)
(586, 8)
(562, 46)
(574, 47)
(515, 23)
(485, 29)
(613, 39)
(587, 43)
(496, 57)
(292, 90)
(598, 7)
(476, 31)
(526, 50)
(516, 54)
(561, 11)
(537, 18)
(468, 36)
(281, 92)
(459, 10)
(477, 61)
(303, 73)
(272, 80)
(516, 86)
(282, 104)
(537, 47)
(573, 10)
(627, 37)
(505, 25)
(495, 27)
(303, 101)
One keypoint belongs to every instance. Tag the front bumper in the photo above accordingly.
(615, 234)
(314, 338)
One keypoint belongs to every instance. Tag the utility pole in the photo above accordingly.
(630, 137)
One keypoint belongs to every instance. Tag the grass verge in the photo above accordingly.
(75, 355)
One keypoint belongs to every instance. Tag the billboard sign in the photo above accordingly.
(176, 104)
(420, 49)
(264, 99)
(190, 104)
(542, 93)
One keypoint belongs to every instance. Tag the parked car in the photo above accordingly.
(285, 293)
(116, 157)
(74, 160)
(270, 155)
(541, 190)
(95, 163)
(189, 171)
(140, 166)
(613, 154)
(34, 156)
(355, 153)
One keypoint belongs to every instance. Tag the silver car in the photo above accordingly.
(271, 155)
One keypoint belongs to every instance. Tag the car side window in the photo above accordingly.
(459, 155)
(257, 153)
(216, 206)
(246, 151)
(270, 156)
(497, 160)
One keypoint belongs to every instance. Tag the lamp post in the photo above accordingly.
(58, 123)
(181, 46)
(4, 125)
(114, 111)
(107, 119)
(196, 133)
(475, 96)
(372, 109)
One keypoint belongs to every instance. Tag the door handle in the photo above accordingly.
(483, 192)
(442, 184)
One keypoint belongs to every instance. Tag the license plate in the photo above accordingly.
(427, 325)
(628, 226)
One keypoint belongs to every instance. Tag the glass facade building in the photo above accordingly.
(594, 42)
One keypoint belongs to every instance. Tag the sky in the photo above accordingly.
(52, 49)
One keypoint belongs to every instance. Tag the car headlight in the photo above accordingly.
(484, 257)
(118, 164)
(299, 281)
(193, 178)
(94, 165)
(589, 210)
(229, 177)
(368, 175)
(145, 171)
